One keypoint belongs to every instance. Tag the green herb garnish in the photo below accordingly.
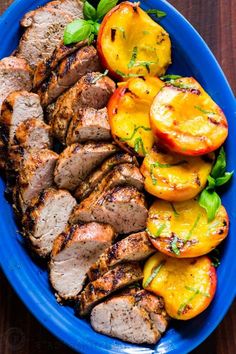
(158, 232)
(133, 57)
(209, 199)
(138, 145)
(174, 246)
(99, 76)
(203, 110)
(192, 229)
(120, 73)
(135, 131)
(157, 13)
(154, 274)
(80, 30)
(170, 77)
(174, 209)
(168, 165)
(186, 303)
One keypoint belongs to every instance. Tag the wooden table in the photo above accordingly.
(20, 333)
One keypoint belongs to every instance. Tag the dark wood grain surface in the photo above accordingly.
(20, 333)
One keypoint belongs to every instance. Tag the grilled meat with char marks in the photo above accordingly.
(91, 91)
(68, 72)
(74, 251)
(46, 217)
(77, 161)
(119, 277)
(138, 317)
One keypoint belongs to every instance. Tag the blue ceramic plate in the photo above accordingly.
(191, 56)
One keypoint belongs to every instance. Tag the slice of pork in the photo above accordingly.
(44, 31)
(137, 318)
(36, 175)
(15, 74)
(17, 108)
(91, 90)
(72, 7)
(45, 67)
(73, 253)
(34, 134)
(86, 187)
(77, 161)
(119, 277)
(68, 72)
(89, 125)
(124, 174)
(46, 218)
(135, 247)
(123, 207)
(31, 135)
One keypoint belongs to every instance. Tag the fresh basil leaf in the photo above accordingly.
(104, 7)
(210, 201)
(96, 27)
(89, 11)
(220, 165)
(170, 77)
(77, 31)
(211, 182)
(220, 181)
(157, 13)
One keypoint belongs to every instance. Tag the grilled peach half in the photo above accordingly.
(128, 111)
(182, 229)
(186, 119)
(175, 177)
(130, 43)
(187, 285)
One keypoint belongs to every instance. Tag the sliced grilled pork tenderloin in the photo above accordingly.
(115, 279)
(137, 318)
(77, 161)
(17, 108)
(68, 72)
(135, 247)
(72, 7)
(45, 67)
(123, 207)
(36, 175)
(44, 31)
(91, 90)
(89, 125)
(86, 187)
(73, 253)
(33, 134)
(46, 218)
(15, 74)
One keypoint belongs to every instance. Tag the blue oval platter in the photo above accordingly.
(191, 57)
